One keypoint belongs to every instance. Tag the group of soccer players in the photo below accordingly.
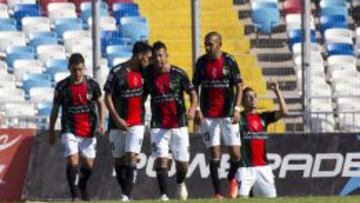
(149, 73)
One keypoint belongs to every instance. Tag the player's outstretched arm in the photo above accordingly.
(120, 123)
(53, 118)
(283, 108)
(101, 109)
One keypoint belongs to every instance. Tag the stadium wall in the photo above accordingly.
(303, 164)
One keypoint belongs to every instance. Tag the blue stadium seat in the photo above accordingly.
(8, 24)
(334, 10)
(23, 10)
(295, 36)
(125, 6)
(57, 63)
(19, 48)
(105, 42)
(263, 4)
(340, 49)
(34, 35)
(85, 14)
(117, 48)
(35, 42)
(136, 28)
(28, 76)
(329, 3)
(55, 69)
(34, 82)
(44, 108)
(62, 27)
(112, 56)
(87, 5)
(8, 27)
(334, 21)
(12, 57)
(67, 20)
(265, 19)
(120, 13)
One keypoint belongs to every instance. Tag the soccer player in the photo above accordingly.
(125, 102)
(78, 95)
(254, 173)
(166, 85)
(218, 76)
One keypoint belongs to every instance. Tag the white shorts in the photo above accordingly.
(260, 178)
(73, 144)
(213, 128)
(174, 140)
(126, 141)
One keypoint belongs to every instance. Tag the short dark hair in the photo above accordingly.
(247, 89)
(75, 59)
(159, 45)
(140, 47)
(213, 33)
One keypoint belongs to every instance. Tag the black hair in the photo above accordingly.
(159, 45)
(213, 33)
(75, 59)
(141, 47)
(247, 89)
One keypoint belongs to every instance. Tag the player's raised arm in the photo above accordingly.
(283, 107)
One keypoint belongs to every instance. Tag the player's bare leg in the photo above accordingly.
(215, 153)
(86, 169)
(181, 171)
(234, 152)
(130, 171)
(161, 167)
(119, 164)
(71, 174)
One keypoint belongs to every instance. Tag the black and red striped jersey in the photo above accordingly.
(78, 106)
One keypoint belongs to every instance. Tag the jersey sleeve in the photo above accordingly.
(235, 71)
(268, 117)
(96, 91)
(57, 95)
(196, 74)
(186, 83)
(110, 82)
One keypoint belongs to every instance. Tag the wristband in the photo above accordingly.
(198, 108)
(237, 108)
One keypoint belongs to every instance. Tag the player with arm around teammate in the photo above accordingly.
(124, 98)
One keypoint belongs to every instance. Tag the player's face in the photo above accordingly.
(250, 100)
(212, 45)
(145, 59)
(160, 58)
(77, 71)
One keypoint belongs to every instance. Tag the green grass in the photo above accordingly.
(328, 199)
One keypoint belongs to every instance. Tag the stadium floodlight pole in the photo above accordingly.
(195, 31)
(306, 49)
(96, 46)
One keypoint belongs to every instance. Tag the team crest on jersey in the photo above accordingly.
(89, 96)
(226, 70)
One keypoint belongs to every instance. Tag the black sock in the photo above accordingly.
(180, 177)
(71, 173)
(129, 179)
(120, 176)
(162, 176)
(85, 174)
(214, 172)
(234, 165)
